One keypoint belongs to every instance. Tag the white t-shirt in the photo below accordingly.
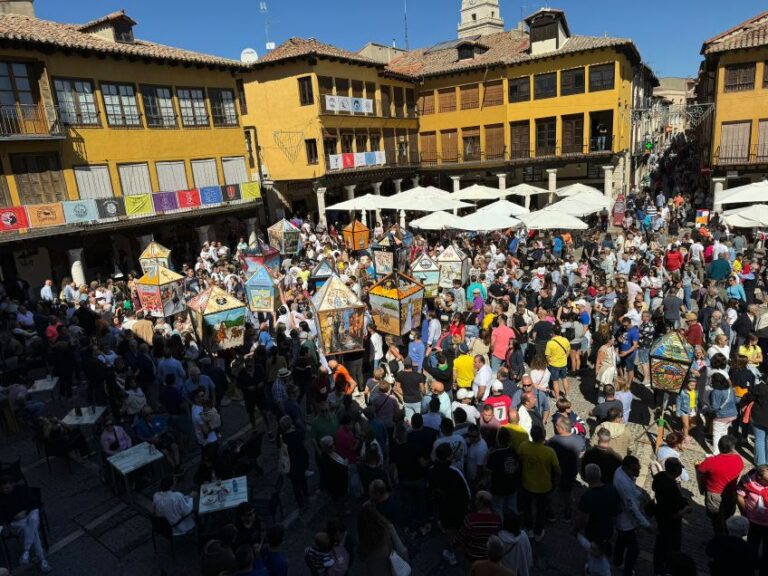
(197, 420)
(477, 455)
(484, 377)
(472, 413)
(458, 449)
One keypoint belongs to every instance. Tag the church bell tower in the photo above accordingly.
(480, 17)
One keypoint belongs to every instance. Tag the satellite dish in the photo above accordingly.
(249, 55)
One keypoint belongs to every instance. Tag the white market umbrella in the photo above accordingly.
(420, 192)
(426, 204)
(525, 191)
(582, 204)
(436, 221)
(365, 202)
(551, 220)
(487, 221)
(749, 217)
(752, 193)
(578, 188)
(505, 207)
(477, 192)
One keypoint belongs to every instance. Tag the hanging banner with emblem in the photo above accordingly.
(13, 218)
(188, 198)
(335, 162)
(42, 215)
(139, 205)
(210, 195)
(110, 207)
(80, 211)
(164, 201)
(231, 192)
(250, 190)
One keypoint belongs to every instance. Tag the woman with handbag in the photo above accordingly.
(381, 549)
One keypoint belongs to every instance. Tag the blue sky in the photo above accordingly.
(668, 34)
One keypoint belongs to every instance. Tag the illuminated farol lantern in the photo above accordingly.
(321, 272)
(396, 301)
(260, 253)
(262, 291)
(218, 318)
(389, 255)
(284, 237)
(453, 264)
(339, 316)
(356, 236)
(671, 357)
(161, 292)
(154, 255)
(426, 271)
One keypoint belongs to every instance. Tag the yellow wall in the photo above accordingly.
(113, 146)
(742, 105)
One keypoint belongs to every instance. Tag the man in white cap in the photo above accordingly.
(464, 402)
(500, 402)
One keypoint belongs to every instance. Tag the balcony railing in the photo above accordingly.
(33, 121)
(742, 154)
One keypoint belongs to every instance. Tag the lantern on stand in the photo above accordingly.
(356, 236)
(404, 235)
(161, 292)
(262, 254)
(671, 357)
(262, 291)
(453, 264)
(321, 272)
(339, 316)
(218, 318)
(396, 301)
(426, 271)
(284, 237)
(154, 255)
(389, 255)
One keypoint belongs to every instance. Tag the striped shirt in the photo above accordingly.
(477, 528)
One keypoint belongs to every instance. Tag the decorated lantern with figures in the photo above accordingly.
(284, 237)
(356, 236)
(339, 316)
(218, 318)
(454, 265)
(671, 357)
(262, 290)
(426, 271)
(321, 272)
(161, 292)
(396, 301)
(389, 255)
(154, 255)
(260, 253)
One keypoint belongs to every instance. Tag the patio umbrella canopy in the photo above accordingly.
(578, 188)
(753, 193)
(524, 190)
(551, 220)
(505, 207)
(426, 203)
(582, 204)
(488, 221)
(477, 192)
(436, 221)
(748, 217)
(364, 202)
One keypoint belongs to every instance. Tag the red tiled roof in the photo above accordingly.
(119, 15)
(19, 29)
(749, 34)
(300, 47)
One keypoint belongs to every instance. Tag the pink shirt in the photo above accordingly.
(501, 336)
(345, 444)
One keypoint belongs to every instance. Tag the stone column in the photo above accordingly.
(321, 207)
(402, 219)
(415, 181)
(398, 182)
(349, 191)
(77, 268)
(252, 227)
(144, 241)
(552, 183)
(377, 192)
(456, 183)
(608, 180)
(502, 181)
(719, 184)
(202, 233)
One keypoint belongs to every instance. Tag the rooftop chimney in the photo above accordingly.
(20, 7)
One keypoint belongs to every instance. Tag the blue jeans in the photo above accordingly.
(496, 364)
(472, 331)
(687, 296)
(761, 436)
(412, 408)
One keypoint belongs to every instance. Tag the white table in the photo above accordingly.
(46, 385)
(132, 459)
(90, 415)
(231, 499)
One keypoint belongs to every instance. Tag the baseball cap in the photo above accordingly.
(408, 362)
(496, 385)
(462, 394)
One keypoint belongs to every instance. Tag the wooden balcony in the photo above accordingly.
(30, 122)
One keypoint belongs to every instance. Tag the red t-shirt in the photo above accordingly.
(345, 444)
(501, 405)
(673, 261)
(720, 470)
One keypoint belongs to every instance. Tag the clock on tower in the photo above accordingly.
(480, 17)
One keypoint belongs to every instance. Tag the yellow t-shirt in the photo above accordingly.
(752, 353)
(464, 370)
(692, 396)
(736, 266)
(538, 461)
(488, 320)
(557, 352)
(518, 435)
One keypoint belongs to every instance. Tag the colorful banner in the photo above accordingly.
(348, 160)
(188, 198)
(359, 159)
(110, 207)
(356, 160)
(210, 195)
(139, 205)
(345, 103)
(13, 218)
(42, 215)
(370, 158)
(381, 157)
(164, 201)
(331, 103)
(335, 162)
(231, 192)
(702, 217)
(250, 190)
(79, 211)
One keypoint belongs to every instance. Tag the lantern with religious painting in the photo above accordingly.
(389, 255)
(426, 271)
(218, 318)
(671, 357)
(262, 291)
(161, 292)
(396, 302)
(454, 265)
(339, 316)
(262, 254)
(356, 235)
(284, 237)
(321, 272)
(405, 236)
(154, 255)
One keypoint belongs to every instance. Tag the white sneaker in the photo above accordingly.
(24, 558)
(45, 568)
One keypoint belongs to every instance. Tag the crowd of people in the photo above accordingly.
(464, 427)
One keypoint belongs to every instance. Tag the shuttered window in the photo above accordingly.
(494, 142)
(171, 176)
(427, 103)
(493, 94)
(573, 134)
(413, 146)
(120, 105)
(306, 97)
(390, 146)
(410, 103)
(223, 107)
(447, 97)
(470, 97)
(357, 89)
(134, 179)
(374, 136)
(572, 81)
(77, 104)
(762, 141)
(38, 178)
(93, 182)
(399, 100)
(204, 172)
(545, 85)
(370, 93)
(470, 143)
(734, 141)
(386, 102)
(234, 170)
(601, 77)
(739, 77)
(520, 140)
(520, 89)
(158, 107)
(449, 145)
(546, 136)
(326, 84)
(429, 148)
(361, 141)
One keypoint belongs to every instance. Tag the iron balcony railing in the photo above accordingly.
(742, 154)
(18, 121)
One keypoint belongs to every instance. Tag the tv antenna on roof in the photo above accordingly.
(265, 11)
(405, 22)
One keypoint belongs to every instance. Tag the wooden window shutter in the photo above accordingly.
(447, 98)
(471, 132)
(390, 146)
(38, 178)
(413, 146)
(386, 102)
(494, 141)
(357, 89)
(470, 97)
(426, 103)
(521, 139)
(429, 147)
(450, 146)
(493, 94)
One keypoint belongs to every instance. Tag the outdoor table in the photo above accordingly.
(46, 385)
(230, 499)
(134, 458)
(90, 415)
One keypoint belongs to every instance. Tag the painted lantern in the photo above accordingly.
(218, 318)
(284, 237)
(389, 255)
(356, 236)
(453, 264)
(161, 292)
(671, 356)
(154, 255)
(321, 272)
(339, 316)
(426, 271)
(396, 302)
(262, 254)
(262, 290)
